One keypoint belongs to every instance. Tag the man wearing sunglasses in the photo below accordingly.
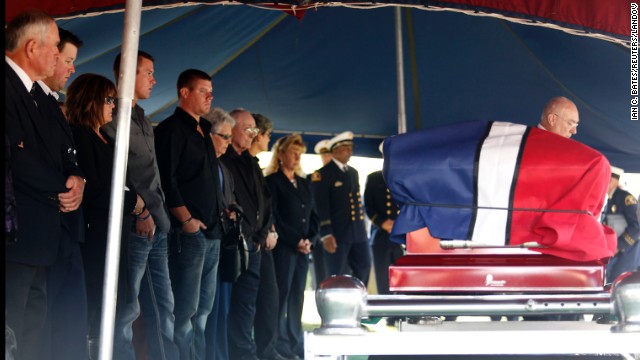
(254, 198)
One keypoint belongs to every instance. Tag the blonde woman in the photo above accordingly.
(296, 222)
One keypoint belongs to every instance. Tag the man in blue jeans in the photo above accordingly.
(191, 178)
(148, 270)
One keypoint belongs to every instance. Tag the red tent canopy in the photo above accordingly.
(610, 17)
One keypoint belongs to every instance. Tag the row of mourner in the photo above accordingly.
(215, 248)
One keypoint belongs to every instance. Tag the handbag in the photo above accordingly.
(234, 254)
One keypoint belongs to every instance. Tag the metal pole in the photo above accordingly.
(126, 85)
(402, 115)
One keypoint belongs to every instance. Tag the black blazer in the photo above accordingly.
(378, 202)
(251, 193)
(96, 160)
(293, 209)
(39, 171)
(72, 221)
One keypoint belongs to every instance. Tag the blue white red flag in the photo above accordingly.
(501, 183)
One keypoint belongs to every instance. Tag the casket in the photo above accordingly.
(500, 183)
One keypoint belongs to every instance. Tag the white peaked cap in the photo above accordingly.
(341, 139)
(322, 146)
(617, 171)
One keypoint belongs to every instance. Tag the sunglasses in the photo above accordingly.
(109, 100)
(224, 136)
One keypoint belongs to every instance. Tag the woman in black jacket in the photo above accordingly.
(296, 222)
(90, 102)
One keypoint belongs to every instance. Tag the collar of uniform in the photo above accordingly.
(341, 166)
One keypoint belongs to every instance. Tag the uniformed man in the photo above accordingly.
(621, 217)
(382, 211)
(319, 272)
(337, 191)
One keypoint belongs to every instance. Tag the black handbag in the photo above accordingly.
(234, 254)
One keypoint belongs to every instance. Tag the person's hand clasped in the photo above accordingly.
(272, 240)
(304, 246)
(71, 200)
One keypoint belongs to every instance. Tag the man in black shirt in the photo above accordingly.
(189, 173)
(252, 195)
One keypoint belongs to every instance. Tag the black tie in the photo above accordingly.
(33, 93)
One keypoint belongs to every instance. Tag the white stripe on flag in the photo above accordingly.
(498, 157)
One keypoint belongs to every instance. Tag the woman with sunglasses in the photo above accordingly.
(90, 102)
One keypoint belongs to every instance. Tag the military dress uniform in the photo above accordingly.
(337, 193)
(380, 207)
(621, 216)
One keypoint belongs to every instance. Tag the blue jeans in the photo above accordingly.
(194, 272)
(150, 286)
(216, 332)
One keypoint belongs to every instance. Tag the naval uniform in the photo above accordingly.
(337, 194)
(621, 216)
(380, 207)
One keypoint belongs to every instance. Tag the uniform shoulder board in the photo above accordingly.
(316, 176)
(630, 200)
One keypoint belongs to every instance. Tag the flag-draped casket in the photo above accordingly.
(500, 183)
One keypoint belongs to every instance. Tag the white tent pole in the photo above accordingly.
(402, 115)
(126, 83)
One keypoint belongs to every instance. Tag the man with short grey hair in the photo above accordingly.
(48, 186)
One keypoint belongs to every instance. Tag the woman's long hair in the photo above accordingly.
(282, 146)
(86, 97)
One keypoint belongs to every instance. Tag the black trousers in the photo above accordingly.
(244, 296)
(66, 325)
(385, 253)
(266, 320)
(26, 307)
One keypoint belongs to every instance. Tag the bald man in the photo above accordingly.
(560, 116)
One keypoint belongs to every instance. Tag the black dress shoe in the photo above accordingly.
(290, 356)
(274, 355)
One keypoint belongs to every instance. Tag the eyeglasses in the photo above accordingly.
(109, 100)
(572, 123)
(252, 131)
(224, 136)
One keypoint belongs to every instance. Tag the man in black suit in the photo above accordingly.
(47, 184)
(66, 325)
(252, 195)
(337, 192)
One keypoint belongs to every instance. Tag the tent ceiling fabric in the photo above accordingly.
(334, 70)
(585, 15)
